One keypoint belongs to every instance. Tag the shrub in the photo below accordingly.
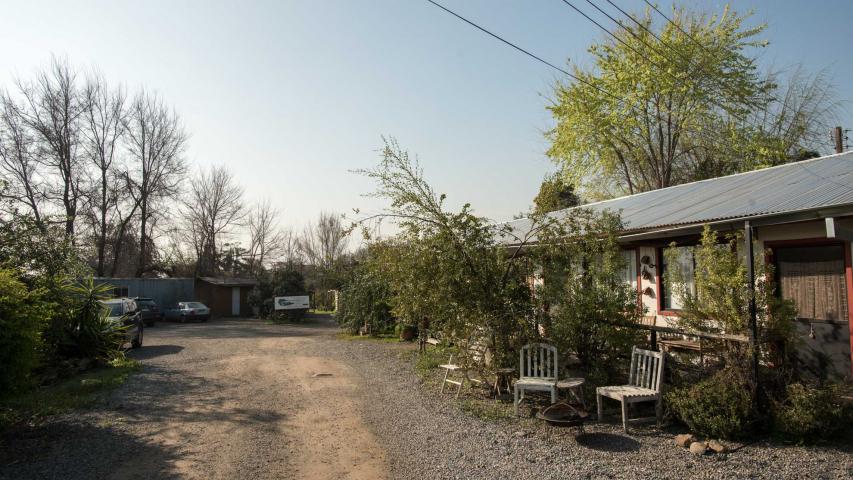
(277, 283)
(23, 315)
(718, 407)
(809, 413)
(365, 299)
(83, 329)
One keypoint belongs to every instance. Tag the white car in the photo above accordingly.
(123, 311)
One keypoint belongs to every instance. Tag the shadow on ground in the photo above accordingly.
(156, 351)
(608, 442)
(92, 452)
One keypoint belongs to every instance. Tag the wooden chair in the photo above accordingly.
(476, 353)
(537, 371)
(644, 384)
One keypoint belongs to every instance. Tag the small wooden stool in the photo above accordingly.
(574, 388)
(503, 381)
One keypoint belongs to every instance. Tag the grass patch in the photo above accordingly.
(432, 358)
(74, 393)
(322, 312)
(385, 338)
(487, 410)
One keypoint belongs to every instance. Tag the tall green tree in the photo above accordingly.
(669, 103)
(555, 193)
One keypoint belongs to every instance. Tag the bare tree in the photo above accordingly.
(265, 237)
(18, 160)
(52, 109)
(104, 126)
(323, 243)
(290, 252)
(214, 208)
(156, 143)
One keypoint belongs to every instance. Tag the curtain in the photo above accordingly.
(814, 281)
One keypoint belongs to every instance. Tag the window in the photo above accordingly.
(120, 291)
(629, 270)
(813, 277)
(683, 263)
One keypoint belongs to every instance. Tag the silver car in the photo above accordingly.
(189, 311)
(123, 311)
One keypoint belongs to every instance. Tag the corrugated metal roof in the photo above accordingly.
(801, 186)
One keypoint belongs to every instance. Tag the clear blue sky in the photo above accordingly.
(292, 95)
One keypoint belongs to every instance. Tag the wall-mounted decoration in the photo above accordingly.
(647, 260)
(649, 292)
(647, 275)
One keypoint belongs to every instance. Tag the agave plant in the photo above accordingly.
(88, 331)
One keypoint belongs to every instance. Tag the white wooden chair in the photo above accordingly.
(644, 384)
(537, 371)
(476, 354)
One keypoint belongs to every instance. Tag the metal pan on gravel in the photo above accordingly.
(562, 414)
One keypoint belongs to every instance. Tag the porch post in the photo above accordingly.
(753, 314)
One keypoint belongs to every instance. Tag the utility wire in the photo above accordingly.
(721, 87)
(469, 22)
(573, 76)
(645, 58)
(691, 37)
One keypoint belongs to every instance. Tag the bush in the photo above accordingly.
(809, 413)
(718, 407)
(82, 329)
(277, 283)
(23, 315)
(365, 300)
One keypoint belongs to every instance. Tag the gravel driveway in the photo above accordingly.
(240, 399)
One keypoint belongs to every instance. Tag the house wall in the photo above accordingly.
(829, 352)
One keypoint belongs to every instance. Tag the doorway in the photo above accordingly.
(235, 301)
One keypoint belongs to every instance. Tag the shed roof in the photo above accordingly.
(229, 282)
(794, 187)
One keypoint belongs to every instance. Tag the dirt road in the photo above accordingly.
(225, 399)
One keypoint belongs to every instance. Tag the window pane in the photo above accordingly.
(683, 263)
(629, 270)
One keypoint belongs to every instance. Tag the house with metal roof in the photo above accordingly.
(799, 214)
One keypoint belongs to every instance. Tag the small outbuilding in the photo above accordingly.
(226, 297)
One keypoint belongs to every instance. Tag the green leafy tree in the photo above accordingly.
(366, 296)
(278, 282)
(24, 313)
(685, 103)
(587, 305)
(445, 268)
(555, 193)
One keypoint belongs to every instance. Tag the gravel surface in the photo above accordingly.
(427, 435)
(239, 399)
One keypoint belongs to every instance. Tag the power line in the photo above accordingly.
(573, 76)
(691, 37)
(644, 57)
(469, 22)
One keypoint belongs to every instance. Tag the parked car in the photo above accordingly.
(188, 311)
(149, 311)
(124, 311)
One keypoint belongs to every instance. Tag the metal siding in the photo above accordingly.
(165, 291)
